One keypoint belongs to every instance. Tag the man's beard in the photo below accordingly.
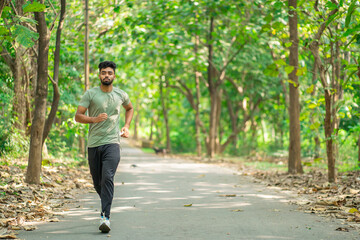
(106, 83)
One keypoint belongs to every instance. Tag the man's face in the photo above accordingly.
(107, 76)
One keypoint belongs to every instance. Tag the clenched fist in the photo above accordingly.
(101, 117)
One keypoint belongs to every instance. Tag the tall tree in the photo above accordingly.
(294, 162)
(314, 48)
(37, 128)
(165, 112)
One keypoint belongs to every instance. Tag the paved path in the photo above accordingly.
(149, 205)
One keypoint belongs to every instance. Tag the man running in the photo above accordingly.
(103, 104)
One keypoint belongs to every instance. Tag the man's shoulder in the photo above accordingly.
(94, 89)
(119, 91)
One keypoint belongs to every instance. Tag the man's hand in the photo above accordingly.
(125, 132)
(101, 117)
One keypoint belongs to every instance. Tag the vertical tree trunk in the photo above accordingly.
(218, 128)
(213, 94)
(151, 129)
(197, 110)
(34, 163)
(86, 47)
(337, 94)
(165, 114)
(82, 140)
(294, 163)
(17, 65)
(19, 109)
(328, 135)
(316, 138)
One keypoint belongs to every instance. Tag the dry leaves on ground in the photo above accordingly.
(22, 203)
(340, 200)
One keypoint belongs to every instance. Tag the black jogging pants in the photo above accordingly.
(103, 162)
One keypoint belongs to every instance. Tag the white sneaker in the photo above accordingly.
(104, 225)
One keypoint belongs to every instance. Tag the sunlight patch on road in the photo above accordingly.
(264, 196)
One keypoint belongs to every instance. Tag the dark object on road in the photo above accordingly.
(160, 150)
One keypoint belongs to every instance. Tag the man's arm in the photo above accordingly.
(128, 117)
(80, 116)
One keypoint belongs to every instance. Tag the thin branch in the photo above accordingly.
(53, 23)
(233, 56)
(13, 7)
(52, 6)
(238, 88)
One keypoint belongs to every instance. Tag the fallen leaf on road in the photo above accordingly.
(342, 229)
(54, 220)
(354, 191)
(188, 205)
(5, 234)
(29, 228)
(237, 210)
(353, 210)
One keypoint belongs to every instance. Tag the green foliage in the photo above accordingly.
(33, 7)
(153, 41)
(25, 36)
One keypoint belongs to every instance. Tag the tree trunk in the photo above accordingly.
(56, 97)
(337, 94)
(197, 110)
(316, 138)
(294, 162)
(20, 91)
(86, 48)
(165, 114)
(213, 94)
(151, 129)
(37, 129)
(82, 140)
(329, 140)
(18, 69)
(218, 128)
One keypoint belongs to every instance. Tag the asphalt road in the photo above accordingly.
(162, 198)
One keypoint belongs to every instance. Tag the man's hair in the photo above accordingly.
(107, 64)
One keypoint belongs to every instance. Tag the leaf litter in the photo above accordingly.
(22, 204)
(339, 200)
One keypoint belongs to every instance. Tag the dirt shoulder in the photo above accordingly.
(23, 205)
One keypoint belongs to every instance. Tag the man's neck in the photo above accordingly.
(106, 88)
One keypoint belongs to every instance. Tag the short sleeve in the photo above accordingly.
(85, 100)
(126, 99)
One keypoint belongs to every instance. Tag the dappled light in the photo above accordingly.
(211, 119)
(181, 199)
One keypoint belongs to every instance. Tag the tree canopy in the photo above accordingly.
(206, 77)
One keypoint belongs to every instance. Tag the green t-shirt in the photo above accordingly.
(97, 101)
